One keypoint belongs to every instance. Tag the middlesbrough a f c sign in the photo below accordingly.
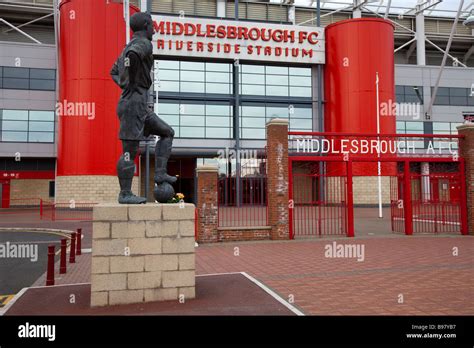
(209, 38)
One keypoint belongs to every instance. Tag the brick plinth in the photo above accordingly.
(142, 253)
(277, 178)
(466, 150)
(90, 188)
(207, 203)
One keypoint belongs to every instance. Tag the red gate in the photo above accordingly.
(322, 200)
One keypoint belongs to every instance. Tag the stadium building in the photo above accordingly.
(218, 81)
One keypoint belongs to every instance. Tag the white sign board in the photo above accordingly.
(251, 41)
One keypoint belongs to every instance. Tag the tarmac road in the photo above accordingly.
(19, 272)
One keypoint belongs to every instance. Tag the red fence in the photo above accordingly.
(319, 205)
(247, 209)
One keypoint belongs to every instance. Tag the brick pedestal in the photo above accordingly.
(142, 253)
(466, 150)
(207, 203)
(277, 178)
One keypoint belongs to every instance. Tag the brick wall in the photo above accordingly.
(366, 190)
(28, 188)
(466, 150)
(207, 204)
(230, 234)
(277, 178)
(142, 253)
(90, 188)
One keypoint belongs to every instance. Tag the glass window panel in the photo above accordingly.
(251, 133)
(192, 66)
(255, 111)
(15, 114)
(400, 98)
(400, 127)
(41, 115)
(277, 90)
(188, 75)
(400, 89)
(218, 67)
(15, 83)
(277, 70)
(42, 126)
(255, 122)
(218, 88)
(253, 78)
(14, 136)
(304, 81)
(300, 92)
(277, 111)
(300, 71)
(218, 77)
(191, 109)
(253, 89)
(45, 74)
(168, 108)
(22, 73)
(192, 132)
(168, 86)
(414, 127)
(443, 127)
(217, 121)
(218, 110)
(40, 137)
(165, 74)
(442, 100)
(192, 87)
(454, 127)
(277, 80)
(169, 64)
(222, 133)
(411, 99)
(470, 100)
(172, 120)
(441, 91)
(1, 71)
(462, 101)
(301, 112)
(15, 125)
(301, 123)
(458, 92)
(255, 69)
(192, 121)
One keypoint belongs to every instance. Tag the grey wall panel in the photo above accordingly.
(31, 55)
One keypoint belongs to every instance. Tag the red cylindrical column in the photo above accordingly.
(78, 241)
(72, 250)
(63, 263)
(92, 36)
(356, 49)
(50, 266)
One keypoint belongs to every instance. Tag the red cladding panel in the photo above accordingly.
(355, 50)
(92, 35)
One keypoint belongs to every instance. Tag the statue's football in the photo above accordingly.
(163, 192)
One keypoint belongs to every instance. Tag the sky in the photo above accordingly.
(400, 6)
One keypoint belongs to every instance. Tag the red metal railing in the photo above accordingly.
(319, 205)
(247, 209)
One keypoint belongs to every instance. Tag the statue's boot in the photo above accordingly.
(160, 171)
(127, 197)
(125, 171)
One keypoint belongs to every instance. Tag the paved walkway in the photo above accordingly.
(399, 275)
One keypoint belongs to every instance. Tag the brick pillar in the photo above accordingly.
(207, 203)
(466, 150)
(277, 178)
